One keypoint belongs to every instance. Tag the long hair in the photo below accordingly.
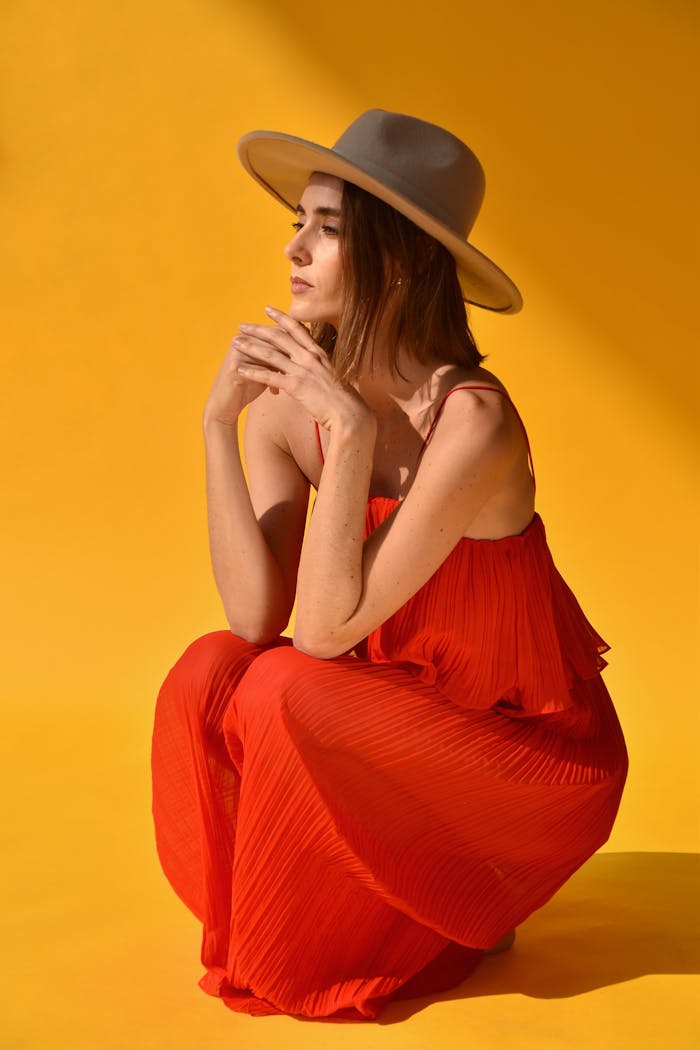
(390, 264)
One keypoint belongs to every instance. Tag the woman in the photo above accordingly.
(359, 815)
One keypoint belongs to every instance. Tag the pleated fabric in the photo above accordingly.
(360, 829)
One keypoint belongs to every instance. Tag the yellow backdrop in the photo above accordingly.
(133, 245)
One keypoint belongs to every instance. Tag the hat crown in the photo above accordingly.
(424, 162)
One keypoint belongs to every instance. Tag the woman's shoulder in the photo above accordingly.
(478, 379)
(284, 422)
(476, 412)
(473, 398)
(477, 440)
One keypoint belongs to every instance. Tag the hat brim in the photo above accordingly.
(283, 164)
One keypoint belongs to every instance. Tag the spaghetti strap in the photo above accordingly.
(496, 390)
(318, 439)
(434, 423)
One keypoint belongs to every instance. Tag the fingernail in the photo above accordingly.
(270, 310)
(245, 327)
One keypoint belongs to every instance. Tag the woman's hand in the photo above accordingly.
(284, 357)
(231, 391)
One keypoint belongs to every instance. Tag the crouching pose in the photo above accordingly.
(357, 814)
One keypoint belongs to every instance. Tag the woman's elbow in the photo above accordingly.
(260, 638)
(256, 631)
(322, 647)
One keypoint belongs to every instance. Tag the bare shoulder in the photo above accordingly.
(277, 418)
(477, 431)
(479, 447)
(277, 422)
(484, 386)
(264, 416)
(479, 406)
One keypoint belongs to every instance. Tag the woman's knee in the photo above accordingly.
(271, 679)
(206, 673)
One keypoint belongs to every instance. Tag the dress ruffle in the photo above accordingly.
(495, 625)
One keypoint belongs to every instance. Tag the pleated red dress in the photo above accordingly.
(354, 830)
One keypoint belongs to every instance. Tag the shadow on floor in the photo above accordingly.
(623, 915)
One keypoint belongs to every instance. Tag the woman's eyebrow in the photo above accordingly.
(335, 212)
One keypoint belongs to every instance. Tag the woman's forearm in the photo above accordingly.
(329, 584)
(247, 575)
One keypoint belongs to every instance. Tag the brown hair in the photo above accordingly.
(390, 263)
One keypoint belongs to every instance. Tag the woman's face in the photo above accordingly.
(314, 252)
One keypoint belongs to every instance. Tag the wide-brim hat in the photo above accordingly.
(421, 170)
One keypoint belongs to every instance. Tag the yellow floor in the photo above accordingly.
(102, 956)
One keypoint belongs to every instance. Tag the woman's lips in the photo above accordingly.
(299, 286)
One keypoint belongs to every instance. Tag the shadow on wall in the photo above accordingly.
(622, 916)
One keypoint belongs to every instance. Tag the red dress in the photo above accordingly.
(354, 830)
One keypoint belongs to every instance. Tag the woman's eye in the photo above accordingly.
(330, 231)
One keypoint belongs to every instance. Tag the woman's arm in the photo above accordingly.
(254, 534)
(330, 581)
(464, 465)
(346, 587)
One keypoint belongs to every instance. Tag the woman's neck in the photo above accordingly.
(415, 386)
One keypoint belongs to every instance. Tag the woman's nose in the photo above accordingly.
(296, 250)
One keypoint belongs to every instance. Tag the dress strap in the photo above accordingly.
(496, 390)
(318, 439)
(434, 423)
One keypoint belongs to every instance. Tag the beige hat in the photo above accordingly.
(421, 170)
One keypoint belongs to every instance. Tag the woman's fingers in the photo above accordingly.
(284, 357)
(256, 351)
(287, 335)
(274, 381)
(292, 327)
